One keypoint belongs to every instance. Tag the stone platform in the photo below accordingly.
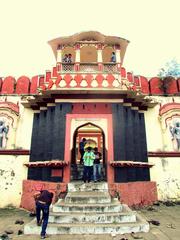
(89, 209)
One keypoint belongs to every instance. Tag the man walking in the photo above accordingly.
(88, 165)
(43, 201)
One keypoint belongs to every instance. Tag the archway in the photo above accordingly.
(95, 137)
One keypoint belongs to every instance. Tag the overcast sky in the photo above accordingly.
(151, 26)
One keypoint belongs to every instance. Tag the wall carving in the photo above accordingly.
(170, 123)
(9, 113)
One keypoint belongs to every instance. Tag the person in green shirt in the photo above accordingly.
(88, 159)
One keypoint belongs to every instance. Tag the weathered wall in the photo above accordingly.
(12, 170)
(166, 174)
(20, 123)
(157, 128)
(12, 173)
(135, 193)
(30, 187)
(165, 171)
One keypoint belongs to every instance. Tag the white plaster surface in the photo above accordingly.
(12, 173)
(165, 173)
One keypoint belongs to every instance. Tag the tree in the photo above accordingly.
(170, 71)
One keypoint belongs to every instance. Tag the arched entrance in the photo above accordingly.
(95, 137)
(75, 122)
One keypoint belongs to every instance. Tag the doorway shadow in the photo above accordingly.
(95, 137)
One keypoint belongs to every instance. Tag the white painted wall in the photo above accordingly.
(24, 129)
(12, 173)
(12, 170)
(165, 173)
(153, 130)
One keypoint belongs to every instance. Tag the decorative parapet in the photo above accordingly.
(169, 112)
(11, 106)
(57, 79)
(130, 164)
(53, 164)
(169, 107)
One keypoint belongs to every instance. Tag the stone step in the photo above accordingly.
(110, 217)
(81, 186)
(88, 197)
(88, 228)
(62, 206)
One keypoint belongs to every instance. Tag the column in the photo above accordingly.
(42, 133)
(118, 57)
(35, 173)
(34, 138)
(99, 57)
(119, 118)
(59, 58)
(77, 57)
(49, 131)
(129, 134)
(145, 176)
(119, 123)
(61, 109)
(130, 144)
(137, 137)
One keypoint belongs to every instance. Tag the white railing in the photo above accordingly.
(88, 67)
(110, 67)
(68, 67)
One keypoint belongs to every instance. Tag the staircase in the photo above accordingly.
(89, 209)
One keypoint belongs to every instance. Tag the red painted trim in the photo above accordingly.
(68, 136)
(14, 152)
(56, 172)
(10, 105)
(130, 164)
(171, 117)
(163, 154)
(169, 106)
(47, 164)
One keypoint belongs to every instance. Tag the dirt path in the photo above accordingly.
(169, 228)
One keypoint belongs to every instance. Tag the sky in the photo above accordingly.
(151, 26)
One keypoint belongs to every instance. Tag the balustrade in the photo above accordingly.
(90, 67)
(110, 67)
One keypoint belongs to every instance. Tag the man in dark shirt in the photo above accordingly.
(43, 201)
(81, 149)
(97, 165)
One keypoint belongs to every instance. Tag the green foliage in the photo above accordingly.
(171, 69)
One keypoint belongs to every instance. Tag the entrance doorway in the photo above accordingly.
(95, 137)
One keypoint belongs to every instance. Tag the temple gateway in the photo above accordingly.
(132, 120)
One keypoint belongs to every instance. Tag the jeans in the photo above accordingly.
(88, 173)
(45, 210)
(97, 172)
